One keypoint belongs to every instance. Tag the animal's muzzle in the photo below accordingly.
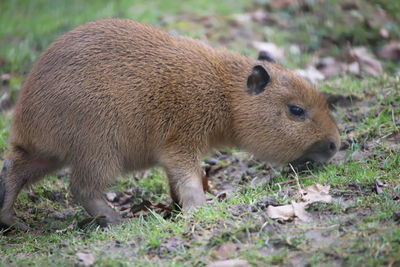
(319, 152)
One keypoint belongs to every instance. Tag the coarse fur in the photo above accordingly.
(115, 95)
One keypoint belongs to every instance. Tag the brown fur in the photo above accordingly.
(114, 95)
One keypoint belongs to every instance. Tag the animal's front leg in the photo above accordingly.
(185, 180)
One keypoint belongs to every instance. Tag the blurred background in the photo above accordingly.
(296, 31)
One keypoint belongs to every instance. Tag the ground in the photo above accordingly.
(347, 48)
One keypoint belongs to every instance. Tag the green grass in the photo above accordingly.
(360, 227)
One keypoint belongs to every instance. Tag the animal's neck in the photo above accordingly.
(232, 70)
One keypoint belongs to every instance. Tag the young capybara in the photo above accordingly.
(114, 96)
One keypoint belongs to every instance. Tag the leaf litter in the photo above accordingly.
(309, 195)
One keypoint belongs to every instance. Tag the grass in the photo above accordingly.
(360, 228)
(28, 27)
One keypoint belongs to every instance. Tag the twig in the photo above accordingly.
(291, 181)
(296, 177)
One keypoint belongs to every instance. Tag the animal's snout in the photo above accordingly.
(319, 152)
(332, 147)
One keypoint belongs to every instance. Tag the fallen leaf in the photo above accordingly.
(85, 259)
(317, 192)
(125, 199)
(300, 211)
(276, 51)
(229, 263)
(391, 51)
(366, 62)
(143, 206)
(289, 212)
(205, 183)
(378, 186)
(146, 206)
(310, 194)
(311, 74)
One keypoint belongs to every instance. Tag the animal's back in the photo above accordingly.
(107, 87)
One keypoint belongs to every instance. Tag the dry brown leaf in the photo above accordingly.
(366, 62)
(204, 180)
(84, 258)
(284, 212)
(289, 212)
(310, 194)
(146, 206)
(229, 263)
(378, 186)
(316, 193)
(300, 212)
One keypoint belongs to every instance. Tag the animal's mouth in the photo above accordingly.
(309, 159)
(319, 152)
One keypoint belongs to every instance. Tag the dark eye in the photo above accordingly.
(297, 111)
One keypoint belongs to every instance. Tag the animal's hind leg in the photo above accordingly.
(87, 187)
(19, 169)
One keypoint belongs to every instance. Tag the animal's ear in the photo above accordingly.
(257, 80)
(266, 56)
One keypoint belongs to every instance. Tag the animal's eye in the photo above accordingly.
(297, 111)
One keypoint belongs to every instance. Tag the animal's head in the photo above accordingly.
(281, 118)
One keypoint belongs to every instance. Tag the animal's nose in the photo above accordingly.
(324, 149)
(320, 151)
(332, 147)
